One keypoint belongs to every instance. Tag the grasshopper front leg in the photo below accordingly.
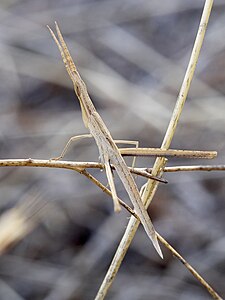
(71, 140)
(75, 138)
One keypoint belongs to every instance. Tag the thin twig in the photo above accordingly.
(151, 186)
(211, 291)
(108, 192)
(71, 165)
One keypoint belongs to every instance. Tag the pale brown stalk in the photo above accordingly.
(159, 165)
(77, 166)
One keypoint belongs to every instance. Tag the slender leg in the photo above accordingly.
(109, 175)
(136, 143)
(71, 140)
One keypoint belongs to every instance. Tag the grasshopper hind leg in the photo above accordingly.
(109, 174)
(129, 142)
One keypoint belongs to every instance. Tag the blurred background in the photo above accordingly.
(133, 56)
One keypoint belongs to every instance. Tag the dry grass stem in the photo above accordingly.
(151, 187)
(79, 166)
(70, 165)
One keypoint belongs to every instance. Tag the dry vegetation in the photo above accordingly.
(133, 58)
